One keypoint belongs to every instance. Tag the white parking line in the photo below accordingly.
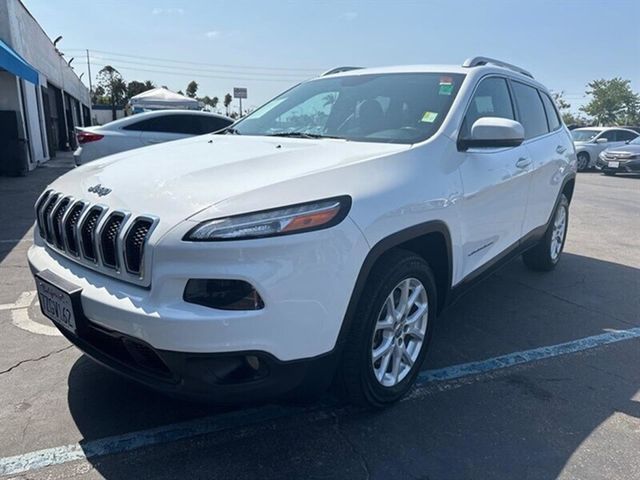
(243, 418)
(23, 301)
(20, 316)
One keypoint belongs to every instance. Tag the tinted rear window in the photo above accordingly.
(530, 109)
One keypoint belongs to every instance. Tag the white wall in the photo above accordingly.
(29, 40)
(38, 153)
(100, 117)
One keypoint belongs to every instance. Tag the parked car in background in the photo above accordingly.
(590, 141)
(624, 159)
(144, 129)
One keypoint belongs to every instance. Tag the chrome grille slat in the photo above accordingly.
(70, 223)
(46, 217)
(39, 207)
(109, 241)
(56, 221)
(134, 242)
(87, 233)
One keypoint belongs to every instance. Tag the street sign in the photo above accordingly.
(239, 92)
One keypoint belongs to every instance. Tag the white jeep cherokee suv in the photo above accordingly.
(317, 238)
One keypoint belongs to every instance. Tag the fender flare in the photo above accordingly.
(379, 249)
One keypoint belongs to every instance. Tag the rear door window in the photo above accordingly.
(530, 109)
(624, 136)
(552, 114)
(185, 124)
(213, 124)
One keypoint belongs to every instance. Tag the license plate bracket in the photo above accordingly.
(60, 301)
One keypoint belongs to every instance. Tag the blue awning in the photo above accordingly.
(14, 63)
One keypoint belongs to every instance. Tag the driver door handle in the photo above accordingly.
(523, 162)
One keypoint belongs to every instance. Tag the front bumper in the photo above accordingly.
(624, 166)
(155, 337)
(223, 378)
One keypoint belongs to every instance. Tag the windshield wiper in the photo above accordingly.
(230, 131)
(301, 135)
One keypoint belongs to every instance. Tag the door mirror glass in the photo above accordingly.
(493, 132)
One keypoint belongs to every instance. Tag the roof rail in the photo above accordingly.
(477, 61)
(339, 70)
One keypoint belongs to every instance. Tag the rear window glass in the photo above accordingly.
(530, 109)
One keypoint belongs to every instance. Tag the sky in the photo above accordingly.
(269, 45)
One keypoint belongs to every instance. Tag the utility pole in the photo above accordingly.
(240, 106)
(90, 89)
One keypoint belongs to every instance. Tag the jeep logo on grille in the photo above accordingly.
(99, 190)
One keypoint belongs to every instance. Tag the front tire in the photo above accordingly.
(546, 254)
(390, 334)
(583, 161)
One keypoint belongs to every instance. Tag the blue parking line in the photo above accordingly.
(243, 418)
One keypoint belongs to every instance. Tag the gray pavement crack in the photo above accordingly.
(37, 359)
(361, 459)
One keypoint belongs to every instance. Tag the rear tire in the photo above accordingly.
(583, 161)
(546, 254)
(388, 340)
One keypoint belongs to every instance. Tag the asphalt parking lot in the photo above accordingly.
(530, 376)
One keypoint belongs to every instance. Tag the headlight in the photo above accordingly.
(277, 221)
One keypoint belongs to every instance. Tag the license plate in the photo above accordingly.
(613, 164)
(56, 305)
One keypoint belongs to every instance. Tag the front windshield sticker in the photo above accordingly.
(446, 86)
(429, 117)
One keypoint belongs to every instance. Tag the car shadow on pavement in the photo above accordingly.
(524, 422)
(18, 195)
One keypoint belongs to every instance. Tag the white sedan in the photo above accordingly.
(144, 129)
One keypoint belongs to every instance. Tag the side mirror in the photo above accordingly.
(602, 140)
(493, 132)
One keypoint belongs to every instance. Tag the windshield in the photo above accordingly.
(635, 141)
(392, 108)
(584, 135)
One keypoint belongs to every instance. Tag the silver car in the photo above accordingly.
(591, 141)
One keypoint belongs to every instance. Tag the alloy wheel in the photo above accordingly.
(399, 332)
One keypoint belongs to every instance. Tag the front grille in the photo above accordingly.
(70, 228)
(109, 240)
(91, 235)
(87, 231)
(57, 222)
(134, 244)
(46, 216)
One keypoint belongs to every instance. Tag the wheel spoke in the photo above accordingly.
(417, 315)
(414, 295)
(404, 297)
(383, 349)
(406, 356)
(395, 366)
(384, 365)
(415, 333)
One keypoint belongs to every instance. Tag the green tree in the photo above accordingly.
(115, 88)
(192, 89)
(135, 87)
(227, 101)
(214, 102)
(612, 102)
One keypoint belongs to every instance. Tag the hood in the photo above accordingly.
(627, 150)
(175, 180)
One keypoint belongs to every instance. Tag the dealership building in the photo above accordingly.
(42, 99)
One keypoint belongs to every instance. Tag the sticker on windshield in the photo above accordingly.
(429, 117)
(446, 86)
